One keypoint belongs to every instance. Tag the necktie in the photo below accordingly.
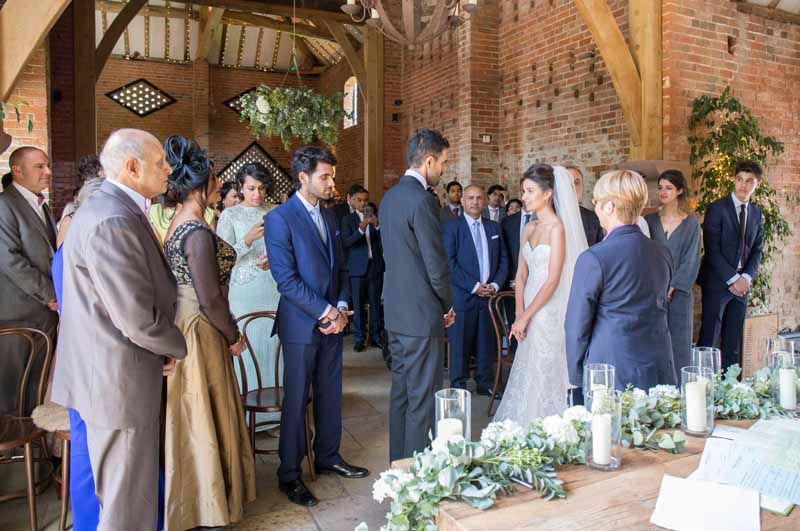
(367, 236)
(742, 232)
(476, 235)
(317, 217)
(527, 218)
(455, 211)
(40, 199)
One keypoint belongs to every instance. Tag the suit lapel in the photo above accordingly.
(330, 225)
(489, 234)
(471, 244)
(305, 220)
(30, 215)
(52, 230)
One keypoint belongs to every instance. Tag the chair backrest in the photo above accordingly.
(498, 305)
(244, 322)
(31, 336)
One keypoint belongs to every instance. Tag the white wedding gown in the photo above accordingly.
(538, 383)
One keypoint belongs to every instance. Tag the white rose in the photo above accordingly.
(262, 105)
(578, 413)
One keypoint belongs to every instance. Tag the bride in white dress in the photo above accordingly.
(538, 384)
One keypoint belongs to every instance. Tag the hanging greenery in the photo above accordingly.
(293, 113)
(7, 108)
(723, 131)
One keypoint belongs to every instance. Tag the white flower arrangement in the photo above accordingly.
(477, 472)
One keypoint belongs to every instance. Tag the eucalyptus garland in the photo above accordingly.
(508, 454)
(292, 113)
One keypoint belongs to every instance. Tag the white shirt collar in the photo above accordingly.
(472, 221)
(141, 201)
(738, 204)
(306, 204)
(418, 176)
(30, 197)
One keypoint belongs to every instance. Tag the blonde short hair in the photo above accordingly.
(626, 189)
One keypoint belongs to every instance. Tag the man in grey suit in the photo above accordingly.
(27, 244)
(495, 208)
(117, 336)
(417, 293)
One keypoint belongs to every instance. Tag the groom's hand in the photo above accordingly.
(449, 318)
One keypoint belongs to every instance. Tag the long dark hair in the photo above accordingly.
(190, 168)
(676, 178)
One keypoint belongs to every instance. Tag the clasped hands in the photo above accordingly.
(338, 319)
(740, 287)
(520, 327)
(485, 290)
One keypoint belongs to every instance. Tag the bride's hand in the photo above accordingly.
(519, 328)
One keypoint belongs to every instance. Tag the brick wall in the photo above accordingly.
(32, 88)
(764, 73)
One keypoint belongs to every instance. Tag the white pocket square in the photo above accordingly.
(495, 236)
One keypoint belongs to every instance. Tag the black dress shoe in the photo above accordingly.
(297, 492)
(377, 345)
(359, 347)
(345, 470)
(488, 392)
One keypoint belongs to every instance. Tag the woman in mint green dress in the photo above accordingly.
(252, 287)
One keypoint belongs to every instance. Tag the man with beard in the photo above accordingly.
(418, 297)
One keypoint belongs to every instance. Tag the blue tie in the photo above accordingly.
(317, 217)
(476, 234)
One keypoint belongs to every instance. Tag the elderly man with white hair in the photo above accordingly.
(117, 336)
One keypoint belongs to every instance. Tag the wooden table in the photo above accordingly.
(623, 499)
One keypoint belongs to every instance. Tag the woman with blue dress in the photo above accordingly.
(252, 288)
(679, 231)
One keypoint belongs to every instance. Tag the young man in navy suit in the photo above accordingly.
(307, 261)
(361, 238)
(478, 267)
(733, 237)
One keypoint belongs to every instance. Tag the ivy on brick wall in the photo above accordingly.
(293, 113)
(7, 108)
(723, 131)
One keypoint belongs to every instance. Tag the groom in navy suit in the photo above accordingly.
(733, 236)
(305, 252)
(478, 267)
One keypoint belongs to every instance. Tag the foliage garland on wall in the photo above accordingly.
(7, 108)
(723, 131)
(289, 113)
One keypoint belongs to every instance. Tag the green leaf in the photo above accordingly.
(666, 442)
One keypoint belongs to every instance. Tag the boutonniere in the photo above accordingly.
(338, 232)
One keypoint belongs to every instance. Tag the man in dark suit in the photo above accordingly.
(617, 309)
(733, 237)
(27, 245)
(361, 239)
(307, 261)
(512, 227)
(478, 267)
(452, 208)
(342, 209)
(495, 210)
(417, 294)
(591, 223)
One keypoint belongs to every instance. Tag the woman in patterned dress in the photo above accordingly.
(209, 467)
(252, 287)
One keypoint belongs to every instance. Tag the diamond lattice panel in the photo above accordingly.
(141, 97)
(282, 181)
(235, 103)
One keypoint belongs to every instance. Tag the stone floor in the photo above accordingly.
(343, 503)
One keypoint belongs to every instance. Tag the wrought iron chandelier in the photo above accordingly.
(422, 20)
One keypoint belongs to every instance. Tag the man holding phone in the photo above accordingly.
(361, 240)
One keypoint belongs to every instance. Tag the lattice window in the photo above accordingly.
(235, 103)
(141, 97)
(350, 102)
(282, 181)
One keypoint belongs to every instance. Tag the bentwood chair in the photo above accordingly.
(498, 305)
(20, 431)
(262, 399)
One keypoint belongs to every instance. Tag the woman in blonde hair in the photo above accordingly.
(617, 310)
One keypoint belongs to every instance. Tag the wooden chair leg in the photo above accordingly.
(31, 487)
(496, 383)
(65, 449)
(309, 450)
(253, 431)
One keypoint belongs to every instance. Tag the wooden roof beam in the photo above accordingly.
(114, 32)
(210, 30)
(277, 9)
(115, 6)
(769, 12)
(301, 30)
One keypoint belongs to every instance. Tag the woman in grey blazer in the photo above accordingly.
(679, 231)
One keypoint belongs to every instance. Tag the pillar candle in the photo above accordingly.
(601, 439)
(788, 388)
(446, 428)
(696, 412)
